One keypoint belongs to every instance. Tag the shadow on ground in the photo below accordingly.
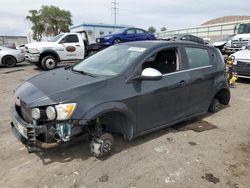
(80, 148)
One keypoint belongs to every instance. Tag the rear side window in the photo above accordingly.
(197, 57)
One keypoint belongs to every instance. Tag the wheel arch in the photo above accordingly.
(7, 56)
(223, 95)
(49, 52)
(116, 117)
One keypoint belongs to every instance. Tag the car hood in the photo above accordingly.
(39, 44)
(242, 36)
(242, 54)
(58, 86)
(108, 36)
(220, 43)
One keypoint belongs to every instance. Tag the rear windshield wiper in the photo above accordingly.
(84, 73)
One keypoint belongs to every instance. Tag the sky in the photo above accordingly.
(172, 14)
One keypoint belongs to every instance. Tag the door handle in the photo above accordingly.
(77, 45)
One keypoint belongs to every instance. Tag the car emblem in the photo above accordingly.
(71, 49)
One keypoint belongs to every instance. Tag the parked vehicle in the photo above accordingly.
(185, 37)
(242, 62)
(241, 39)
(221, 42)
(63, 47)
(125, 35)
(10, 57)
(130, 89)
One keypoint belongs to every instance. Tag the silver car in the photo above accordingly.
(10, 57)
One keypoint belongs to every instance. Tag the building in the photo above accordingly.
(211, 29)
(95, 30)
(17, 40)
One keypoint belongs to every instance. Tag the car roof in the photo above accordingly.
(151, 44)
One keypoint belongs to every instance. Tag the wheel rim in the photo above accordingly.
(50, 63)
(9, 61)
(117, 41)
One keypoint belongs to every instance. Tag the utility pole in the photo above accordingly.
(115, 10)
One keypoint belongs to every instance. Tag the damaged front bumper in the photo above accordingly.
(29, 134)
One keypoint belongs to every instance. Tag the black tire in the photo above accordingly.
(215, 105)
(9, 61)
(48, 62)
(39, 65)
(117, 41)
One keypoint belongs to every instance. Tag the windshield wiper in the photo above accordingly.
(84, 73)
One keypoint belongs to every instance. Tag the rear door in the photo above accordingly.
(201, 78)
(140, 35)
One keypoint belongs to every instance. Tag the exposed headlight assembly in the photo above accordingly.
(34, 50)
(60, 111)
(35, 113)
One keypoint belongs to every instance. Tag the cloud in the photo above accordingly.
(158, 13)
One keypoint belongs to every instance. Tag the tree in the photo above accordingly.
(49, 21)
(151, 29)
(37, 25)
(163, 29)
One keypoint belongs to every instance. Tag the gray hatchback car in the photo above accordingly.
(130, 89)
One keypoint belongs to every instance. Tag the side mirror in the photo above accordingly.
(150, 74)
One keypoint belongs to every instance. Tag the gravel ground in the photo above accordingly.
(212, 151)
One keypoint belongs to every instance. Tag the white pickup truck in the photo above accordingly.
(63, 47)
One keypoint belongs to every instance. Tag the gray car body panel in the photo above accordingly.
(148, 105)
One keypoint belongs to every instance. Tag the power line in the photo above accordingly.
(115, 10)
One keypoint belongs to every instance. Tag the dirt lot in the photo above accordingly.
(211, 152)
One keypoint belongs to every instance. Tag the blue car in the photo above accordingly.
(125, 35)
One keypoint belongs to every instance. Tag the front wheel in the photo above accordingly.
(117, 41)
(48, 63)
(9, 61)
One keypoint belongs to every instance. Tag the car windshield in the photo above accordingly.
(56, 38)
(110, 61)
(119, 31)
(244, 28)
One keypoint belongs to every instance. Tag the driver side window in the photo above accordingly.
(166, 61)
(130, 32)
(70, 39)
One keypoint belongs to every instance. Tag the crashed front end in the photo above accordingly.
(44, 127)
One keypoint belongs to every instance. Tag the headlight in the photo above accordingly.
(35, 113)
(64, 111)
(51, 112)
(34, 50)
(229, 43)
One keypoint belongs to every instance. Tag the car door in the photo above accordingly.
(162, 101)
(140, 35)
(129, 35)
(72, 48)
(201, 78)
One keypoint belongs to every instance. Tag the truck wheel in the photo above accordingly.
(215, 105)
(49, 62)
(117, 41)
(9, 61)
(102, 146)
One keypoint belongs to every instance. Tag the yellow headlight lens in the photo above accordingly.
(64, 111)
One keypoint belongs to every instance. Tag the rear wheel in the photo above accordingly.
(48, 62)
(9, 61)
(215, 105)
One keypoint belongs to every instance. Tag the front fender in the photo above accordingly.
(98, 110)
